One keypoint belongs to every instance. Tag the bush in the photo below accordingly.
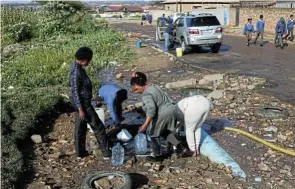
(20, 113)
(17, 24)
(49, 64)
(32, 82)
(21, 32)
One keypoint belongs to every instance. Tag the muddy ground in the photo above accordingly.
(56, 165)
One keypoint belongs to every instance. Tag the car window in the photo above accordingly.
(180, 22)
(203, 21)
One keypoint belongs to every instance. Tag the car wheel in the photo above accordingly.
(215, 48)
(196, 48)
(184, 47)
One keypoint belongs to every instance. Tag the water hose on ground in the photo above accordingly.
(275, 147)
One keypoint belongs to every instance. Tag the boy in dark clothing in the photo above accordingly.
(81, 93)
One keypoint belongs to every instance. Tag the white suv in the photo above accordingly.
(194, 31)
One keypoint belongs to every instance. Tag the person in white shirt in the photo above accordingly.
(192, 112)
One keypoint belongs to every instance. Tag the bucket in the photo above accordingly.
(138, 44)
(179, 52)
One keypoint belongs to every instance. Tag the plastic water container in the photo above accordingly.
(179, 52)
(101, 115)
(117, 155)
(140, 144)
(138, 44)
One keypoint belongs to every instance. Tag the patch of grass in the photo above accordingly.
(49, 64)
(34, 81)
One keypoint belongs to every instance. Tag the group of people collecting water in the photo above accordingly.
(161, 113)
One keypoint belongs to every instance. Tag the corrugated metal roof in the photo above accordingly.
(202, 1)
(286, 1)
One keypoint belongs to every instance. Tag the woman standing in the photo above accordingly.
(81, 94)
(192, 112)
(160, 114)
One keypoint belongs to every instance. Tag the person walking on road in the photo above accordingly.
(260, 30)
(150, 18)
(280, 29)
(191, 113)
(113, 97)
(248, 30)
(168, 35)
(160, 115)
(163, 21)
(81, 94)
(290, 27)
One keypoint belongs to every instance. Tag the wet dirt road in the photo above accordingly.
(275, 64)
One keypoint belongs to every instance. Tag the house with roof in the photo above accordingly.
(192, 5)
(119, 10)
(285, 4)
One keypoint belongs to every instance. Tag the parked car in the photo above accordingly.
(194, 31)
(175, 16)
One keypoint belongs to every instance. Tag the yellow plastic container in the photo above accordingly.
(179, 52)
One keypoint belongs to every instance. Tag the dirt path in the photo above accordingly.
(57, 167)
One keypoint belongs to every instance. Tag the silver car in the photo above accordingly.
(194, 31)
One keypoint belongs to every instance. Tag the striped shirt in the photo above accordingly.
(81, 86)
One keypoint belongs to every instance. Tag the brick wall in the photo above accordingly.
(271, 16)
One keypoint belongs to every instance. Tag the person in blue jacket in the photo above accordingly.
(260, 30)
(248, 30)
(280, 29)
(112, 96)
(169, 35)
(290, 27)
(163, 20)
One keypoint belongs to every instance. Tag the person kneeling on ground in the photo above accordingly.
(81, 94)
(191, 113)
(160, 115)
(113, 97)
(248, 30)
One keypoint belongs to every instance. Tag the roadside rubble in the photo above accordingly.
(235, 99)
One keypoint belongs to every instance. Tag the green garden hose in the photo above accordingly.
(275, 147)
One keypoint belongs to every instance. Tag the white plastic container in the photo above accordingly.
(101, 115)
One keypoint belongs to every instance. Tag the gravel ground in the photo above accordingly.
(56, 166)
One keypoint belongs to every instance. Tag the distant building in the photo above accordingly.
(257, 3)
(117, 10)
(191, 5)
(285, 4)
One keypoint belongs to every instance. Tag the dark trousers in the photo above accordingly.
(156, 145)
(81, 128)
(121, 96)
(291, 34)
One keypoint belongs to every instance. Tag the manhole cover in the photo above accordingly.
(191, 91)
(271, 113)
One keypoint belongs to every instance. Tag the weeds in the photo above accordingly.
(33, 81)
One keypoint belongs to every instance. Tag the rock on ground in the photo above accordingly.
(37, 139)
